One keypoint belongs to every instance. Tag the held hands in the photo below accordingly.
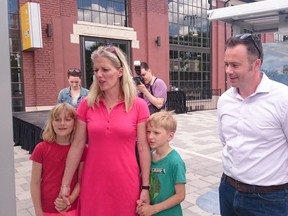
(143, 203)
(60, 205)
(144, 209)
(144, 197)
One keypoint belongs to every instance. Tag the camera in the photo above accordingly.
(138, 79)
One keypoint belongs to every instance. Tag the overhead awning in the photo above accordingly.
(262, 16)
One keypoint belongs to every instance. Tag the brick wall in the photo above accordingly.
(150, 20)
(44, 70)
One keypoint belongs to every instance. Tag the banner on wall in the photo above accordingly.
(30, 21)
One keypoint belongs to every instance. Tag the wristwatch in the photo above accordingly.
(145, 187)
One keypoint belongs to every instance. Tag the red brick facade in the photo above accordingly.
(150, 21)
(44, 70)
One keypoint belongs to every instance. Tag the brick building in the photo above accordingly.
(174, 37)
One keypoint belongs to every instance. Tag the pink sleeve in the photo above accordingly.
(82, 110)
(142, 108)
(37, 154)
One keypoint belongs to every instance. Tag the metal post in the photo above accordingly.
(7, 182)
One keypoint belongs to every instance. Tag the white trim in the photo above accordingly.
(248, 10)
(104, 31)
(38, 108)
(261, 16)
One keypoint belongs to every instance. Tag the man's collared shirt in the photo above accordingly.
(254, 134)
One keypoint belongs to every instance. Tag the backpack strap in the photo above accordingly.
(151, 86)
(151, 91)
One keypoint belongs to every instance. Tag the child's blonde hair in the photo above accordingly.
(163, 119)
(49, 133)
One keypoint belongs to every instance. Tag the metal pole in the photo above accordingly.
(7, 182)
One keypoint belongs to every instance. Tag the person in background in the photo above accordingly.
(253, 128)
(48, 165)
(75, 92)
(167, 177)
(154, 90)
(114, 117)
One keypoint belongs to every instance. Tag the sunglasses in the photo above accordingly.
(250, 37)
(111, 49)
(74, 70)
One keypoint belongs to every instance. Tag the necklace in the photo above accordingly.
(110, 103)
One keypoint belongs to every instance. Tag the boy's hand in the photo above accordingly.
(60, 205)
(144, 209)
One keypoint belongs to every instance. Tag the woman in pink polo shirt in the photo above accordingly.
(113, 117)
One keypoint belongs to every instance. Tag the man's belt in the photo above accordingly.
(242, 187)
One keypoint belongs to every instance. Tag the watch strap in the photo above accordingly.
(145, 187)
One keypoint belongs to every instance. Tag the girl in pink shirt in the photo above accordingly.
(48, 165)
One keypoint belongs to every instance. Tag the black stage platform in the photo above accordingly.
(27, 128)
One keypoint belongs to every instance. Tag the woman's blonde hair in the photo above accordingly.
(118, 59)
(49, 133)
(163, 119)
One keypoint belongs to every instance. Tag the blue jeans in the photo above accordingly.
(236, 203)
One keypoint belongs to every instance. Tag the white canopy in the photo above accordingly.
(261, 16)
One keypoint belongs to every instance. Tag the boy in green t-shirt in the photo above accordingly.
(167, 176)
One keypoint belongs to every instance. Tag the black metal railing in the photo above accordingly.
(192, 100)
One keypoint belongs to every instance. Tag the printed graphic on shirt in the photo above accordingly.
(154, 181)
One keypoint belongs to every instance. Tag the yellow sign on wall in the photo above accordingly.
(25, 27)
(30, 21)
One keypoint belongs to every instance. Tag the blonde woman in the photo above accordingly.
(113, 117)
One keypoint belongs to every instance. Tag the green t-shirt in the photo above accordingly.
(165, 173)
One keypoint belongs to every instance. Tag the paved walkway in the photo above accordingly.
(197, 142)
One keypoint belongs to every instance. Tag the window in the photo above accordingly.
(189, 37)
(107, 12)
(15, 57)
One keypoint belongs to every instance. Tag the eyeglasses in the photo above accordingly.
(250, 37)
(111, 49)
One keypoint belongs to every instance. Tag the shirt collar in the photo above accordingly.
(263, 87)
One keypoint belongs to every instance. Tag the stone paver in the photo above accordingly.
(197, 142)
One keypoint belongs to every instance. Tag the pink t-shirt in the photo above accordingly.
(110, 183)
(53, 156)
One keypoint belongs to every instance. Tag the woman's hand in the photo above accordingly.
(144, 197)
(64, 194)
